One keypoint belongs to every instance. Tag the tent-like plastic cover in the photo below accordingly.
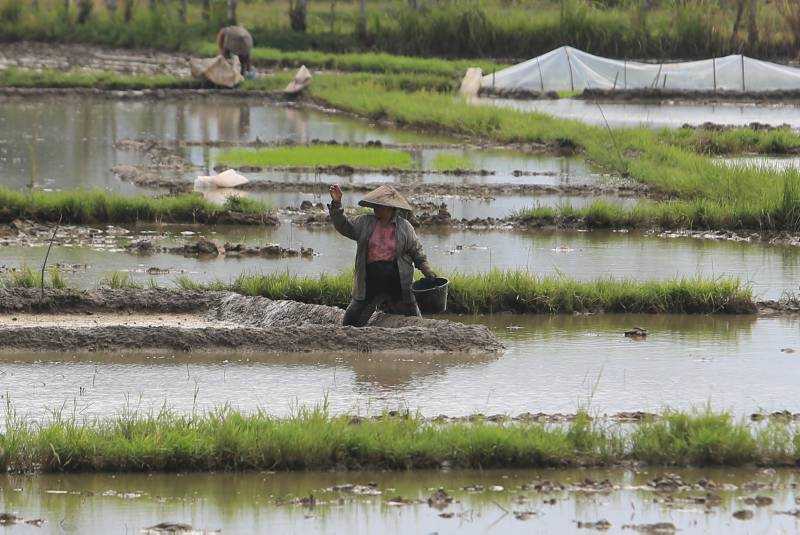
(570, 69)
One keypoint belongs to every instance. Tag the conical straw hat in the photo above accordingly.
(385, 196)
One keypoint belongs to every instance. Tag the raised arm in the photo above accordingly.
(341, 223)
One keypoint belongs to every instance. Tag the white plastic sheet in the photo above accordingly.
(570, 69)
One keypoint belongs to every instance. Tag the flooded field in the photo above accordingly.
(664, 115)
(513, 501)
(552, 364)
(770, 269)
(33, 151)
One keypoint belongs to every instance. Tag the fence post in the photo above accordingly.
(714, 68)
(541, 78)
(743, 86)
(569, 64)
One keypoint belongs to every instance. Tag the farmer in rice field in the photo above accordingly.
(236, 40)
(387, 251)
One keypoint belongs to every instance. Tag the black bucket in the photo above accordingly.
(431, 294)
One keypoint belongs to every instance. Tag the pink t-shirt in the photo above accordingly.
(382, 243)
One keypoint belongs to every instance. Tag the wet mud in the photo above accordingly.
(250, 324)
(204, 247)
(79, 57)
(701, 96)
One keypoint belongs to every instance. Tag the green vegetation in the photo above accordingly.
(318, 156)
(98, 206)
(120, 280)
(452, 162)
(372, 62)
(311, 439)
(710, 195)
(25, 277)
(14, 77)
(518, 291)
(473, 29)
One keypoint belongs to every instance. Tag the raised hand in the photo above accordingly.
(336, 193)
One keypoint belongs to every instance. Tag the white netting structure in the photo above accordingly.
(570, 69)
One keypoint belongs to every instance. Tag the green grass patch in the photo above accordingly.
(318, 156)
(96, 206)
(735, 197)
(226, 439)
(518, 291)
(14, 77)
(452, 162)
(372, 62)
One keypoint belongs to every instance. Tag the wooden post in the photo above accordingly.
(654, 83)
(665, 82)
(616, 76)
(625, 73)
(232, 11)
(714, 68)
(569, 64)
(541, 78)
(743, 86)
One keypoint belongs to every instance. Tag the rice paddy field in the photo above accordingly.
(638, 267)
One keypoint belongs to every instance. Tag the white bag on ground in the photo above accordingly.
(218, 70)
(301, 80)
(471, 83)
(226, 179)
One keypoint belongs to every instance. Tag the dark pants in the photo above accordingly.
(383, 286)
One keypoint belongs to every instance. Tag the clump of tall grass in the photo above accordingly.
(120, 280)
(318, 156)
(96, 206)
(26, 277)
(700, 439)
(518, 291)
(226, 439)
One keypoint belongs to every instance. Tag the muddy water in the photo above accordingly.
(658, 115)
(459, 206)
(237, 503)
(68, 142)
(770, 269)
(552, 364)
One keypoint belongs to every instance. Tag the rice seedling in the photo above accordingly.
(226, 439)
(119, 280)
(518, 291)
(96, 206)
(452, 162)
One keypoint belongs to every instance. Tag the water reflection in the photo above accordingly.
(237, 503)
(771, 270)
(552, 364)
(657, 115)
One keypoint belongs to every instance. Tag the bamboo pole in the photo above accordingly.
(541, 77)
(569, 63)
(714, 68)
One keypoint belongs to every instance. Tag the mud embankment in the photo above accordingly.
(247, 324)
(78, 57)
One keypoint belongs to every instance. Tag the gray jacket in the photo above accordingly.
(409, 249)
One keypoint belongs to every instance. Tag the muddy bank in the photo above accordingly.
(142, 94)
(211, 248)
(249, 324)
(695, 97)
(156, 300)
(78, 57)
(152, 178)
